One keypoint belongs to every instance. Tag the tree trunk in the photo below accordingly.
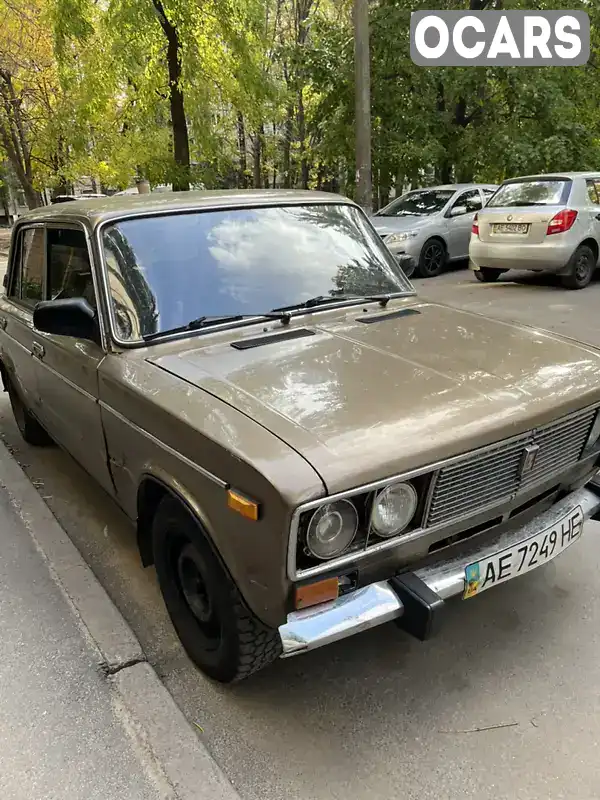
(181, 144)
(263, 150)
(287, 145)
(256, 160)
(304, 168)
(362, 93)
(243, 165)
(385, 182)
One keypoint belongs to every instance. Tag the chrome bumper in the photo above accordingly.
(378, 603)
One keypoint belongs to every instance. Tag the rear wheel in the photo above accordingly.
(487, 274)
(29, 428)
(582, 265)
(220, 634)
(432, 259)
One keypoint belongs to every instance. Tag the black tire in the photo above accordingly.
(487, 274)
(581, 268)
(432, 259)
(29, 428)
(219, 633)
(408, 267)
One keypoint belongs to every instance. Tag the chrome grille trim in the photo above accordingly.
(495, 474)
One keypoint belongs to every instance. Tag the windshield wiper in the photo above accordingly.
(206, 321)
(322, 299)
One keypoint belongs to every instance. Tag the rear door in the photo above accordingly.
(459, 228)
(68, 373)
(593, 195)
(25, 287)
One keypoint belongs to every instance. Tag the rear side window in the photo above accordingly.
(27, 284)
(593, 188)
(69, 269)
(532, 193)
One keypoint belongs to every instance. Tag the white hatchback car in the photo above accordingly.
(544, 223)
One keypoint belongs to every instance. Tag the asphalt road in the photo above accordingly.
(382, 715)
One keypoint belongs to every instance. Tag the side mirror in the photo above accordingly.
(458, 211)
(71, 317)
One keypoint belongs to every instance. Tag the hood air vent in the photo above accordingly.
(262, 341)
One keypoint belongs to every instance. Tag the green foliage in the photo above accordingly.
(268, 93)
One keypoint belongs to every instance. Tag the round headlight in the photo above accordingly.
(332, 529)
(393, 509)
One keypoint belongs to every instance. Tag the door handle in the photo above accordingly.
(3, 322)
(37, 350)
(598, 217)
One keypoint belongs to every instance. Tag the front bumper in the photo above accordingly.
(373, 605)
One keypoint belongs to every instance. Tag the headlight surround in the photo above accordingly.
(396, 238)
(332, 529)
(393, 509)
(594, 433)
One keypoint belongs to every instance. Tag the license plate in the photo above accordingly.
(524, 556)
(510, 227)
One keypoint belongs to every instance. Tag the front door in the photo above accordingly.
(459, 227)
(68, 373)
(25, 287)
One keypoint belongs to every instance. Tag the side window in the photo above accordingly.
(69, 268)
(487, 193)
(592, 188)
(27, 283)
(470, 200)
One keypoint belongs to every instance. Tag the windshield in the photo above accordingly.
(418, 204)
(531, 193)
(165, 271)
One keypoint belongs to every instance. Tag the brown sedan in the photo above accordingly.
(305, 448)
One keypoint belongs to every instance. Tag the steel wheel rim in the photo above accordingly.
(582, 268)
(192, 584)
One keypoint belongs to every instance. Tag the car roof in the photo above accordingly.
(456, 187)
(97, 210)
(560, 176)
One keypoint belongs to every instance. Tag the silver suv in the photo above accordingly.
(544, 223)
(432, 225)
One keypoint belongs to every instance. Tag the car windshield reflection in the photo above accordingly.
(167, 270)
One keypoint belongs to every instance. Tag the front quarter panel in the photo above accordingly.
(158, 425)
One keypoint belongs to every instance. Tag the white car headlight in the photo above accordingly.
(396, 238)
(332, 529)
(393, 509)
(594, 433)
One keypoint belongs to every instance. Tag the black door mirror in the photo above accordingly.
(71, 317)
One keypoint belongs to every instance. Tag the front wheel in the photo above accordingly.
(488, 275)
(581, 268)
(29, 428)
(219, 633)
(432, 259)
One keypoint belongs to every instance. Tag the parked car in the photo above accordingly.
(433, 225)
(543, 223)
(306, 448)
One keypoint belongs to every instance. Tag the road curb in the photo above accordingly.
(156, 718)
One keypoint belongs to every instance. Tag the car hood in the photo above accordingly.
(387, 225)
(419, 383)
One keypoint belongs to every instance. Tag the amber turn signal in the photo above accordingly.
(314, 593)
(243, 505)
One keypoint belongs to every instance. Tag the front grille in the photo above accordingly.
(495, 474)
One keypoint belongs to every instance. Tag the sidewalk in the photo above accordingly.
(82, 715)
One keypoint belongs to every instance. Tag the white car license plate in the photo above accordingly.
(524, 556)
(510, 227)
